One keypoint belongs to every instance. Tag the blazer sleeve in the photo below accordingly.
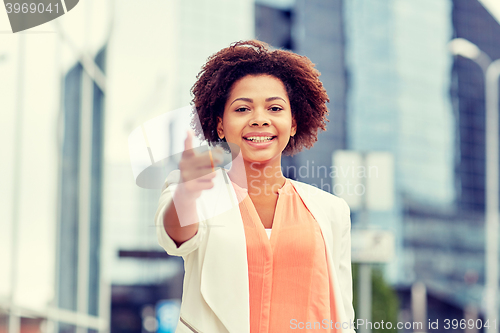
(165, 241)
(345, 263)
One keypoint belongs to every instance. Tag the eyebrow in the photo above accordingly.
(249, 100)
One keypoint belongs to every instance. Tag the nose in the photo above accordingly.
(259, 118)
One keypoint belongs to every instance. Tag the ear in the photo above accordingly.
(220, 129)
(294, 127)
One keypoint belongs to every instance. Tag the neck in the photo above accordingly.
(260, 179)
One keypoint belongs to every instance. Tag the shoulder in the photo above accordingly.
(319, 196)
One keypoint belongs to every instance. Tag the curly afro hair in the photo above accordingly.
(301, 80)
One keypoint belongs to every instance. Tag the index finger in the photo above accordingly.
(188, 143)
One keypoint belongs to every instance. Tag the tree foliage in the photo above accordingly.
(385, 302)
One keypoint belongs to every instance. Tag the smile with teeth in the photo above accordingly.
(260, 138)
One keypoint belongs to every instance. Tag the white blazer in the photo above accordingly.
(216, 294)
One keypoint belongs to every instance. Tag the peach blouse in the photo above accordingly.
(290, 288)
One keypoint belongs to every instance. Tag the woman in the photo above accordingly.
(238, 279)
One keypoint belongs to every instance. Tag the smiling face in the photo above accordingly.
(258, 118)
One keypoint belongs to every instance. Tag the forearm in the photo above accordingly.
(180, 219)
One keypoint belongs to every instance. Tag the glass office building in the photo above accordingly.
(398, 101)
(79, 273)
(449, 246)
(473, 22)
(319, 35)
(314, 29)
(408, 95)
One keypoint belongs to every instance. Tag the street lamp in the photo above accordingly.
(491, 71)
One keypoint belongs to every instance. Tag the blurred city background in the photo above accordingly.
(78, 248)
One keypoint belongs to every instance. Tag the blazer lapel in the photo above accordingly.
(224, 274)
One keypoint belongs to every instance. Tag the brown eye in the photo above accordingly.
(242, 109)
(276, 108)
